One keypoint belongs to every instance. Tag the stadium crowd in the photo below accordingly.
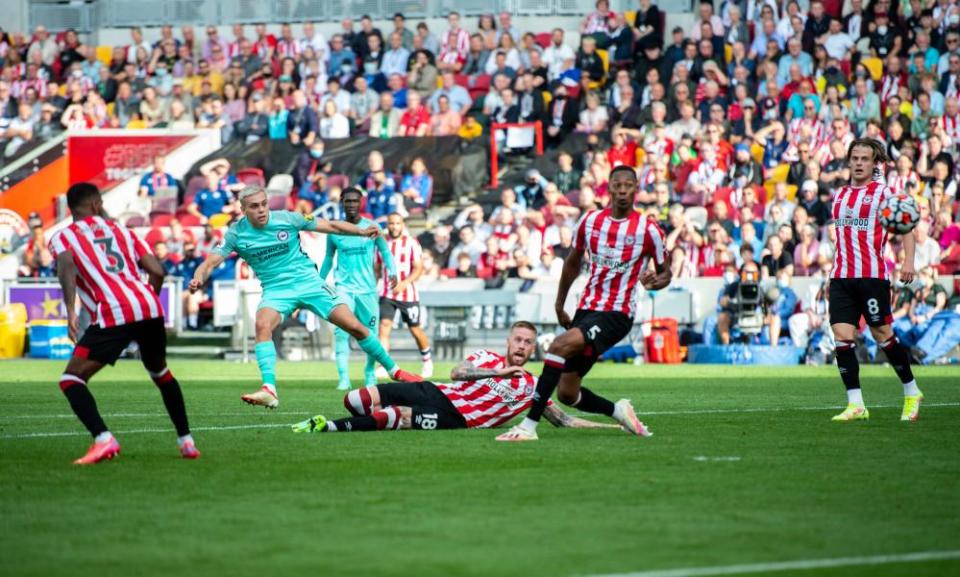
(737, 127)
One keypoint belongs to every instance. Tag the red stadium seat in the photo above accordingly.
(187, 219)
(165, 205)
(543, 39)
(462, 80)
(341, 181)
(137, 220)
(251, 176)
(277, 202)
(161, 219)
(154, 236)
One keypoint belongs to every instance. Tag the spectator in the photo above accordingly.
(385, 122)
(417, 186)
(445, 122)
(477, 57)
(333, 124)
(457, 96)
(302, 124)
(184, 270)
(415, 120)
(423, 75)
(442, 248)
(37, 258)
(776, 259)
(211, 201)
(256, 124)
(382, 197)
(363, 105)
(530, 193)
(156, 179)
(469, 244)
(395, 59)
(19, 131)
(454, 46)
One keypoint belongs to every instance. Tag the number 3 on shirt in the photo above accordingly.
(112, 252)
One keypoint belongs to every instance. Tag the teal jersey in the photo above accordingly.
(354, 270)
(274, 251)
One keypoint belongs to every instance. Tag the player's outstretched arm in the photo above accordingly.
(328, 258)
(154, 270)
(571, 270)
(202, 273)
(345, 228)
(558, 418)
(67, 275)
(387, 259)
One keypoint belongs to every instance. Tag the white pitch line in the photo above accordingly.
(147, 415)
(137, 431)
(780, 409)
(800, 565)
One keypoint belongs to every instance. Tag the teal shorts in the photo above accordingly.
(365, 306)
(317, 296)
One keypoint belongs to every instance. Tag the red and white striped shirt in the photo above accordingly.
(289, 48)
(618, 251)
(490, 402)
(817, 132)
(405, 251)
(902, 182)
(109, 279)
(860, 236)
(951, 126)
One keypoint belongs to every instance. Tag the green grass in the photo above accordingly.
(263, 501)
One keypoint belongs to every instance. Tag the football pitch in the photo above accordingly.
(746, 474)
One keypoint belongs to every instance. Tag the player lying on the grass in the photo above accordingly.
(270, 243)
(103, 262)
(356, 281)
(859, 286)
(488, 389)
(618, 243)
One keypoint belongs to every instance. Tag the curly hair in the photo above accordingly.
(879, 152)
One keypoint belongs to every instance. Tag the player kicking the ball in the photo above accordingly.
(103, 262)
(859, 285)
(618, 242)
(488, 390)
(270, 242)
(356, 281)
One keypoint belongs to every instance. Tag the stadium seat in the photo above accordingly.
(164, 205)
(187, 219)
(136, 220)
(340, 181)
(280, 184)
(252, 176)
(757, 151)
(194, 185)
(875, 66)
(631, 17)
(727, 53)
(154, 236)
(462, 80)
(778, 173)
(543, 39)
(105, 54)
(274, 202)
(219, 220)
(160, 219)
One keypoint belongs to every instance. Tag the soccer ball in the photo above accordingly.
(899, 213)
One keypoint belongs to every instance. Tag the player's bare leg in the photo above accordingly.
(73, 383)
(267, 320)
(900, 361)
(384, 330)
(423, 345)
(342, 317)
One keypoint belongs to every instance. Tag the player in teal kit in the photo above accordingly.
(356, 281)
(270, 243)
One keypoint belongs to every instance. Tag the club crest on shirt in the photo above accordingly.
(283, 235)
(629, 239)
(867, 199)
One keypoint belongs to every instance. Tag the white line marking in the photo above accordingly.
(137, 431)
(800, 565)
(704, 459)
(779, 409)
(147, 415)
